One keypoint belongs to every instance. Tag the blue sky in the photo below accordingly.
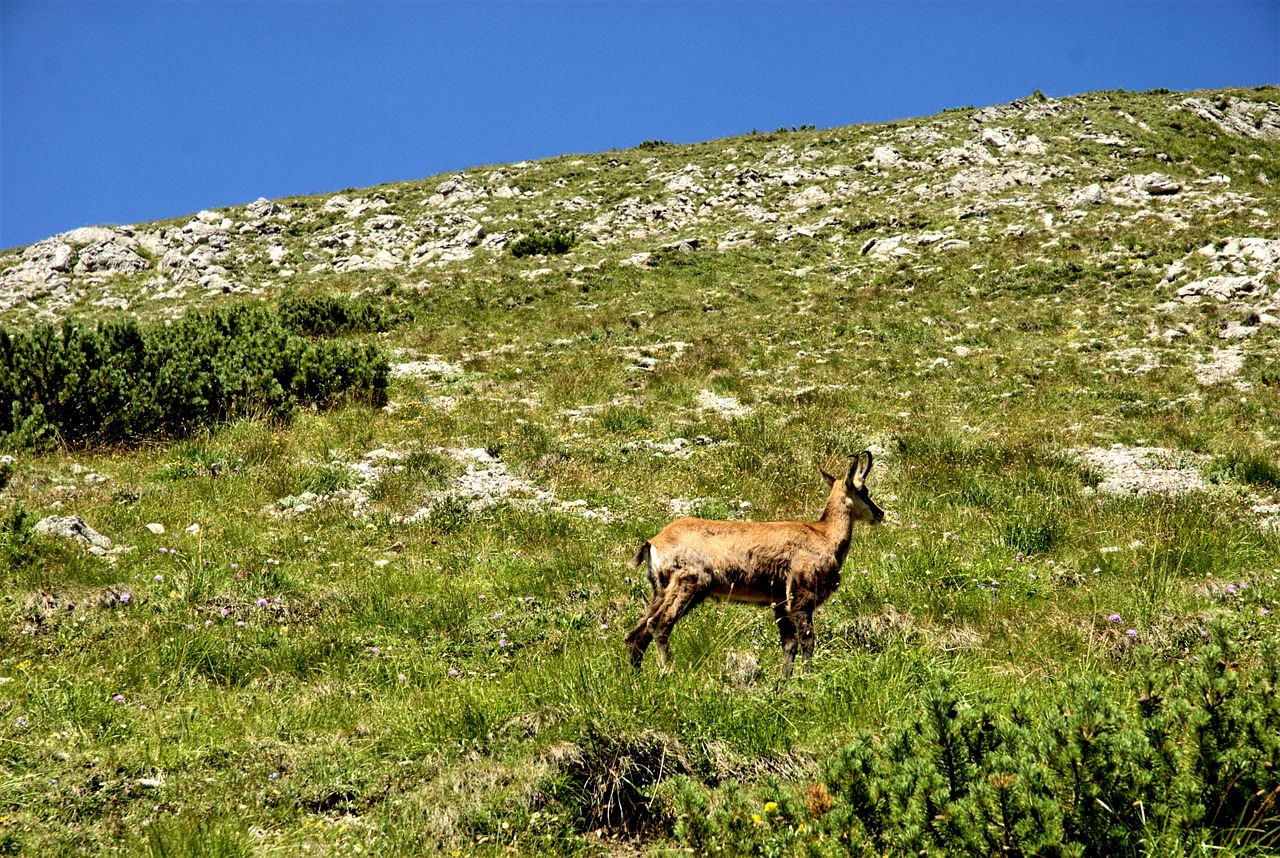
(122, 112)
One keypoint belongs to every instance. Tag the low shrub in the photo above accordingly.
(1187, 758)
(330, 315)
(118, 383)
(543, 244)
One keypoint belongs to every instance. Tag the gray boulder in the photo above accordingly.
(110, 258)
(73, 529)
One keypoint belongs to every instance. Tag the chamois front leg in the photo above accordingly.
(787, 633)
(804, 628)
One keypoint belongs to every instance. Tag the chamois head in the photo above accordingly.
(852, 493)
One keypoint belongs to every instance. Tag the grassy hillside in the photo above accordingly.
(399, 629)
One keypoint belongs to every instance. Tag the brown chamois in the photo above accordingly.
(789, 566)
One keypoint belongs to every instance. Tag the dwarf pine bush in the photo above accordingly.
(118, 383)
(543, 244)
(331, 315)
(1189, 757)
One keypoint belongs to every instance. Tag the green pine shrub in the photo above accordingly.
(118, 383)
(332, 315)
(17, 537)
(1186, 758)
(544, 244)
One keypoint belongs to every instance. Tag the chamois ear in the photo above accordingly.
(831, 481)
(858, 471)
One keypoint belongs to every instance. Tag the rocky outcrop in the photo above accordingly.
(73, 529)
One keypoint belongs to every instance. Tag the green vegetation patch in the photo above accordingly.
(119, 383)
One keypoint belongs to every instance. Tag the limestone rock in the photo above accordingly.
(1259, 120)
(1221, 288)
(74, 529)
(109, 257)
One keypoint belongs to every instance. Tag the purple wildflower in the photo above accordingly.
(262, 602)
(119, 698)
(375, 650)
(453, 671)
(1132, 633)
(124, 597)
(497, 615)
(1115, 618)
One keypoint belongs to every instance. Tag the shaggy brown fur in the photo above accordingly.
(789, 566)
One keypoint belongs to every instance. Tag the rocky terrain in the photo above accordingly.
(1050, 174)
(1041, 167)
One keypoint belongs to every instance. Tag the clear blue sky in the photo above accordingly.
(120, 112)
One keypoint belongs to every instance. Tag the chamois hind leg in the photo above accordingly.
(787, 632)
(638, 638)
(681, 597)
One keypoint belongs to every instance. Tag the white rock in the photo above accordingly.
(885, 156)
(156, 527)
(73, 529)
(1237, 331)
(1221, 288)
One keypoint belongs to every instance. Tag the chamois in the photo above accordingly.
(789, 566)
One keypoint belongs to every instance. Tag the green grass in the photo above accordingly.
(457, 682)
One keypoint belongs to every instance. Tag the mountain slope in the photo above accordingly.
(1054, 322)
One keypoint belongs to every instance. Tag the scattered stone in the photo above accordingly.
(1222, 367)
(884, 157)
(73, 529)
(433, 366)
(1258, 120)
(156, 528)
(1221, 288)
(262, 208)
(1234, 330)
(1091, 195)
(725, 406)
(1145, 470)
(110, 258)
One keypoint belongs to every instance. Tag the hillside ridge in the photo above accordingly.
(1034, 166)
